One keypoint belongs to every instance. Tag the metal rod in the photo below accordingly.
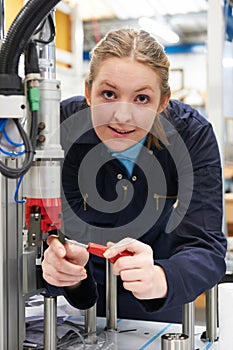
(2, 274)
(111, 297)
(90, 320)
(211, 314)
(188, 323)
(90, 325)
(12, 293)
(50, 323)
(72, 241)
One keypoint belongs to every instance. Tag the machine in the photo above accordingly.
(30, 155)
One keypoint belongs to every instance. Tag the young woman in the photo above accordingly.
(142, 166)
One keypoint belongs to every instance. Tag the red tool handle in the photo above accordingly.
(98, 250)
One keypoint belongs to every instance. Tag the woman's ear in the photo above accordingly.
(87, 93)
(164, 102)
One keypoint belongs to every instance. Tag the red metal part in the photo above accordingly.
(50, 210)
(98, 249)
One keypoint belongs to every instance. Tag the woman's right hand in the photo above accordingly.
(63, 264)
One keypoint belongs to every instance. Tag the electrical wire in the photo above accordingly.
(20, 201)
(41, 30)
(14, 173)
(67, 340)
(76, 336)
(31, 65)
(11, 154)
(71, 338)
(12, 47)
(11, 141)
(3, 122)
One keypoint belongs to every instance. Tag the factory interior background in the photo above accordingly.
(81, 24)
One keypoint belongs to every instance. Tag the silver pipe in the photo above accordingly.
(2, 272)
(3, 286)
(212, 314)
(189, 323)
(12, 308)
(50, 323)
(90, 320)
(90, 325)
(111, 297)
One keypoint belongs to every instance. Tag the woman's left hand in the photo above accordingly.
(138, 272)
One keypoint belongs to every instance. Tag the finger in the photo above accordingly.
(127, 263)
(54, 264)
(73, 251)
(61, 276)
(135, 287)
(129, 244)
(60, 280)
(110, 244)
(77, 255)
(132, 275)
(56, 246)
(143, 261)
(124, 242)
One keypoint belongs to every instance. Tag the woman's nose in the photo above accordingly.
(123, 112)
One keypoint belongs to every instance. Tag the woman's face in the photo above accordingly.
(125, 97)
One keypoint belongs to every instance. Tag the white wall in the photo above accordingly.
(194, 67)
(71, 83)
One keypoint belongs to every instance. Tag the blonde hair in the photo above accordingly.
(144, 48)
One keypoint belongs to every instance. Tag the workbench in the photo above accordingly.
(130, 334)
(139, 335)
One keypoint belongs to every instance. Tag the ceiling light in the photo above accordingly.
(160, 30)
(131, 8)
(171, 7)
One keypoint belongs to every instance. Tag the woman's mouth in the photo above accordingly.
(121, 132)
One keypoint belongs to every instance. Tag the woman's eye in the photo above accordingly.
(142, 99)
(109, 95)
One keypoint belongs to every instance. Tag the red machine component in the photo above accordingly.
(49, 210)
